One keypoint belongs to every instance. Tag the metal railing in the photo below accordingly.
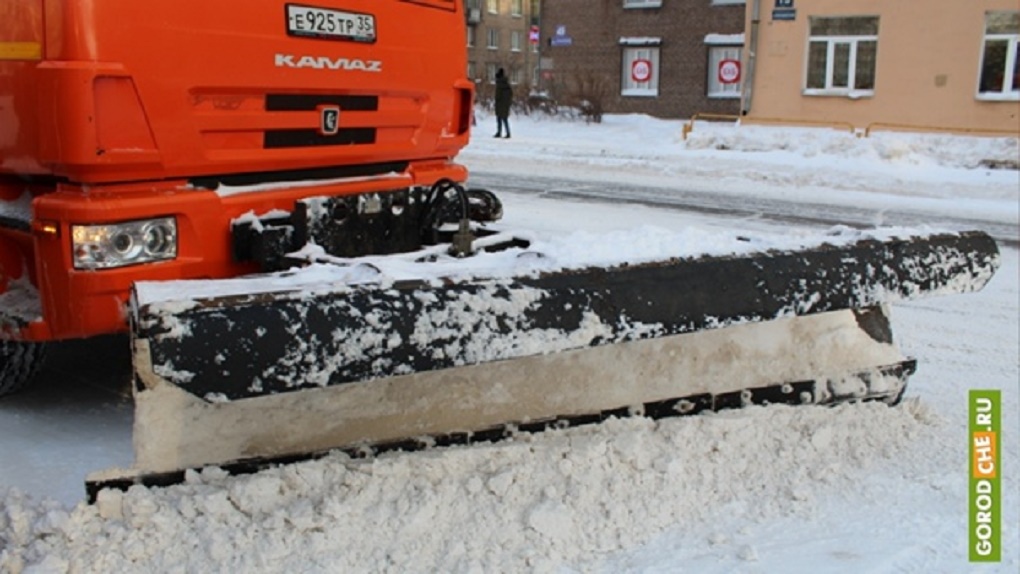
(836, 124)
(954, 130)
(689, 126)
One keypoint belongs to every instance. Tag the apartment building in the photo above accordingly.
(667, 58)
(940, 64)
(502, 34)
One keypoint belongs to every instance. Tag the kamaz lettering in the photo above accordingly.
(327, 63)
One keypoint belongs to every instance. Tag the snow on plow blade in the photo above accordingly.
(238, 379)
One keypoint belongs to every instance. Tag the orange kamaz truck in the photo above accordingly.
(145, 140)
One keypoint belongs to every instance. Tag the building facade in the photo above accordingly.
(937, 65)
(666, 58)
(502, 34)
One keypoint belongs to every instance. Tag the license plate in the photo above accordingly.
(330, 24)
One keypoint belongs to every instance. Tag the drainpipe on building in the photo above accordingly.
(752, 54)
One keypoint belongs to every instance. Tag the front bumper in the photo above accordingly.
(81, 303)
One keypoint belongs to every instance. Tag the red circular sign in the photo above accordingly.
(729, 71)
(641, 70)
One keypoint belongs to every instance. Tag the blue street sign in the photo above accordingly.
(784, 13)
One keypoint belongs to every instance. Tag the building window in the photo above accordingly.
(471, 71)
(841, 56)
(727, 2)
(493, 6)
(492, 39)
(515, 76)
(724, 71)
(640, 74)
(470, 36)
(642, 3)
(1000, 62)
(515, 40)
(490, 72)
(517, 8)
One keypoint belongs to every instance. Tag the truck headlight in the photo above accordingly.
(125, 243)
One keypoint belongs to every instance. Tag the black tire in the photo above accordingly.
(19, 363)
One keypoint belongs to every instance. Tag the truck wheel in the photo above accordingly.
(19, 362)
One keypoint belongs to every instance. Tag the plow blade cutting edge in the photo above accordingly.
(242, 381)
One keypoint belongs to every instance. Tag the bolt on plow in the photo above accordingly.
(255, 377)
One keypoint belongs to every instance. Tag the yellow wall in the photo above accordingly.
(929, 58)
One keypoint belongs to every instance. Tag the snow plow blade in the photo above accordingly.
(242, 381)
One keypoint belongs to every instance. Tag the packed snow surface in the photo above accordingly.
(856, 488)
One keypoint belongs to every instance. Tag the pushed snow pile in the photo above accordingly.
(540, 503)
(910, 148)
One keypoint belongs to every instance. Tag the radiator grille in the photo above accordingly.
(309, 138)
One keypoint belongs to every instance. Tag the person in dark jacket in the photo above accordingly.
(504, 95)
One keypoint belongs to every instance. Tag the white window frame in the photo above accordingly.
(630, 88)
(492, 38)
(728, 2)
(515, 75)
(515, 40)
(470, 36)
(831, 42)
(492, 6)
(472, 70)
(1010, 90)
(717, 89)
(490, 72)
(629, 4)
(516, 8)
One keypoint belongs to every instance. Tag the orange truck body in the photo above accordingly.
(118, 110)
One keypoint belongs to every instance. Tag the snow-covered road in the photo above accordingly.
(803, 212)
(853, 489)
